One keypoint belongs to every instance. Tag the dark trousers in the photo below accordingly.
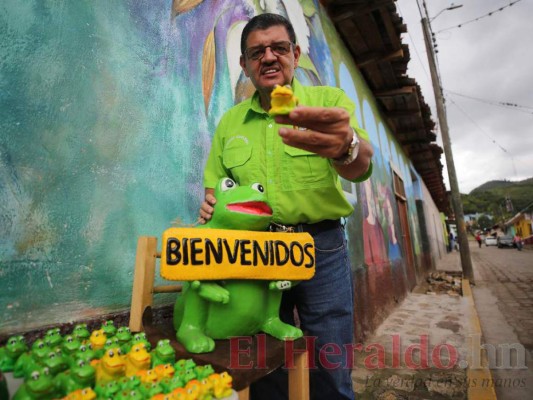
(325, 311)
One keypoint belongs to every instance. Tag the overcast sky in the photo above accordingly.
(490, 59)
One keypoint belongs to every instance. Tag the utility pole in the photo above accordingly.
(464, 249)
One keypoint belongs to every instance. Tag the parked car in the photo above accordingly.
(491, 241)
(505, 241)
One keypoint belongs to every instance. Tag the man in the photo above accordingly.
(451, 240)
(298, 158)
(517, 240)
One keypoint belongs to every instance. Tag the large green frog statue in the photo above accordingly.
(210, 310)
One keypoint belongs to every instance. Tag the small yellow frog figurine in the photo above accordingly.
(282, 100)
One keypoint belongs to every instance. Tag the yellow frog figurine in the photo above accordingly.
(81, 394)
(97, 341)
(222, 384)
(282, 100)
(137, 359)
(111, 366)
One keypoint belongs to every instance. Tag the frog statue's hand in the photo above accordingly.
(210, 291)
(280, 285)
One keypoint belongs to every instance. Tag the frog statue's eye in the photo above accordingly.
(227, 184)
(258, 187)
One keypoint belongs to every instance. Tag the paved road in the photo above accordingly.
(504, 300)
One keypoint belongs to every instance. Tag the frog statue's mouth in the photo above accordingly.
(251, 207)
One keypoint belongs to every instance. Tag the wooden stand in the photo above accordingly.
(246, 359)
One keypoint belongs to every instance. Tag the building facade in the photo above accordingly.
(108, 110)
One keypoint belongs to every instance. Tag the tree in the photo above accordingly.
(484, 222)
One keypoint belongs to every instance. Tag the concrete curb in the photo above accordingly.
(476, 377)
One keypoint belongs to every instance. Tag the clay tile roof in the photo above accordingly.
(372, 29)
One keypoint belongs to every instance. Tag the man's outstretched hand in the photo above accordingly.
(327, 130)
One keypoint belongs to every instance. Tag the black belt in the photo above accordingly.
(312, 229)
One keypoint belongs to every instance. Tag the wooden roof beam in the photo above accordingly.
(414, 141)
(369, 58)
(403, 114)
(403, 91)
(353, 8)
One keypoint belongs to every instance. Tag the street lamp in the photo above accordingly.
(466, 262)
(452, 7)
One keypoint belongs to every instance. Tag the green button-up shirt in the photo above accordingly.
(301, 187)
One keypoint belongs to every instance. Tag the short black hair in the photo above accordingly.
(265, 21)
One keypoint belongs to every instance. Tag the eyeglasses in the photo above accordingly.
(258, 52)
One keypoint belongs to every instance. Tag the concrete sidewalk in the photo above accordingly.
(426, 348)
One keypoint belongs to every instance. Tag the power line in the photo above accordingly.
(486, 134)
(489, 14)
(479, 127)
(413, 43)
(503, 104)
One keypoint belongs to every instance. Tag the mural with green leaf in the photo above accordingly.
(107, 110)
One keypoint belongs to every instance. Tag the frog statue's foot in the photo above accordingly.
(194, 340)
(280, 330)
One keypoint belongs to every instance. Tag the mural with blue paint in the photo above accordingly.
(106, 115)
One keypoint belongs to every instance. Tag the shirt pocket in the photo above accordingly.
(237, 161)
(305, 169)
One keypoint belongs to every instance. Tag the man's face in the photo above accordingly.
(271, 69)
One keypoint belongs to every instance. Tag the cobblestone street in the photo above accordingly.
(504, 298)
(392, 365)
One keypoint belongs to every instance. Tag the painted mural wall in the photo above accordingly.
(107, 109)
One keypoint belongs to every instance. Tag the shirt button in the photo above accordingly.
(270, 125)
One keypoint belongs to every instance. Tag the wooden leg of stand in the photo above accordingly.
(299, 378)
(143, 280)
(244, 394)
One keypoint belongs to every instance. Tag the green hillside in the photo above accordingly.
(490, 198)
